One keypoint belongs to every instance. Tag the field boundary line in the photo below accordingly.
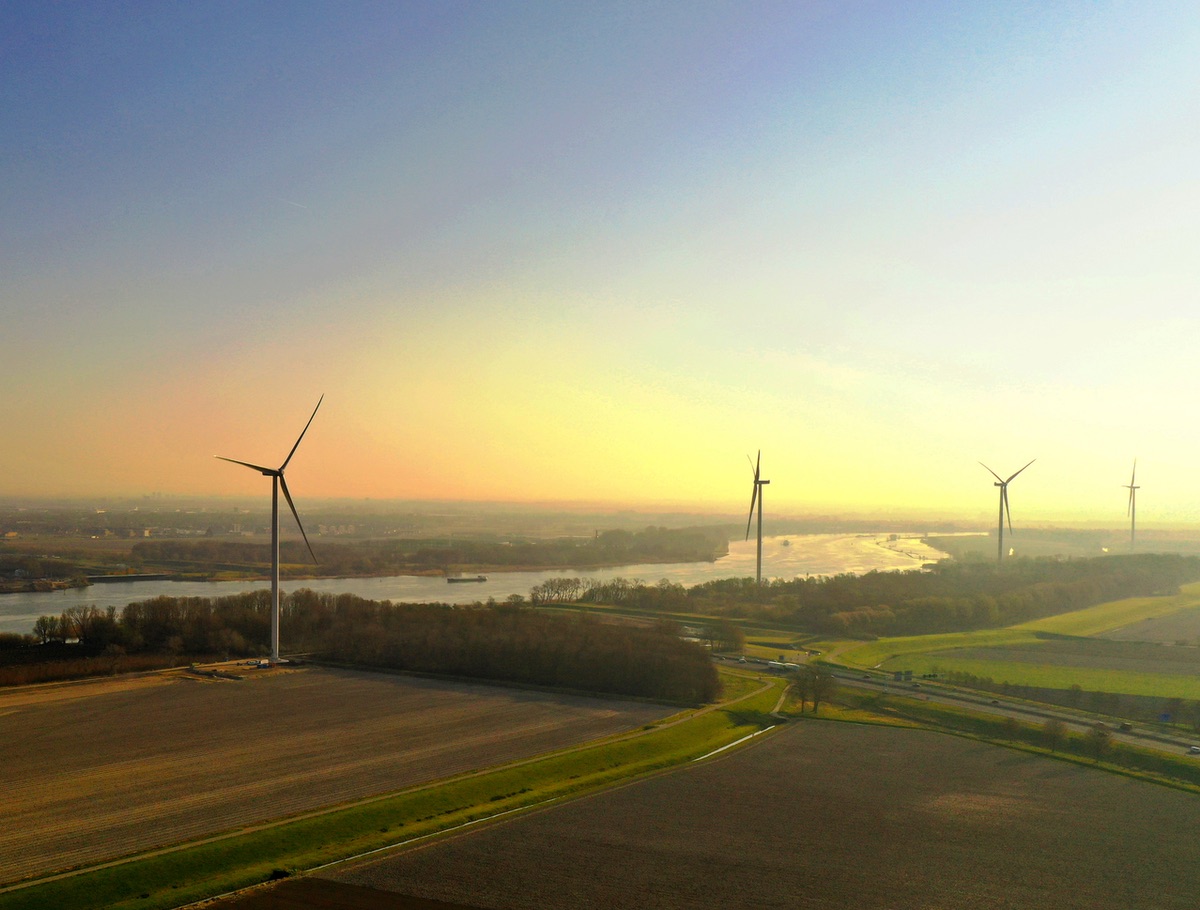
(736, 743)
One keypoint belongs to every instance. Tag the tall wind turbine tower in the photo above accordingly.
(756, 497)
(277, 481)
(1132, 487)
(1003, 485)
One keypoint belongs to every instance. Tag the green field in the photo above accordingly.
(1118, 613)
(1035, 654)
(1055, 677)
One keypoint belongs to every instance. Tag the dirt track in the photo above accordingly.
(94, 771)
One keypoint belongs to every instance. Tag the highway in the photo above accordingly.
(1171, 743)
(1166, 741)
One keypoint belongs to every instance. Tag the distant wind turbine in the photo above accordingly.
(1004, 510)
(277, 481)
(756, 497)
(1132, 511)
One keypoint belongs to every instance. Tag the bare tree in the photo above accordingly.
(802, 686)
(823, 685)
(48, 629)
(1099, 741)
(813, 682)
(1055, 733)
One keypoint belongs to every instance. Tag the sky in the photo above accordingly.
(601, 253)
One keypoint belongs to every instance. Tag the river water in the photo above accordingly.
(783, 557)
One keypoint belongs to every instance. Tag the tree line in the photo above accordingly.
(485, 641)
(665, 596)
(425, 556)
(525, 646)
(950, 597)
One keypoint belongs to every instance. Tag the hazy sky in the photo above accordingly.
(602, 251)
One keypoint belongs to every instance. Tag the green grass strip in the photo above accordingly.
(206, 868)
(1115, 614)
(889, 649)
(1053, 676)
(1092, 621)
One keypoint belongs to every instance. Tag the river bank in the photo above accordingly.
(33, 585)
(788, 556)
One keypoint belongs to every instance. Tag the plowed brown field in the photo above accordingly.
(828, 815)
(97, 770)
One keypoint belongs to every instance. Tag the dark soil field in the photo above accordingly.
(1095, 654)
(1183, 626)
(825, 815)
(100, 769)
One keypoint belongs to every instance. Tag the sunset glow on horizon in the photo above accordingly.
(601, 253)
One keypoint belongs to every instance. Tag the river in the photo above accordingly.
(783, 557)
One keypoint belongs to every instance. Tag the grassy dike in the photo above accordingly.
(191, 872)
(1080, 623)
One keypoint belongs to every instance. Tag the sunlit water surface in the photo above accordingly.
(783, 557)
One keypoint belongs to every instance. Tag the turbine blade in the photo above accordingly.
(301, 436)
(754, 465)
(1007, 510)
(1129, 510)
(1018, 472)
(296, 515)
(753, 499)
(269, 472)
(990, 471)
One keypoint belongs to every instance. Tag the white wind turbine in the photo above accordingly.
(756, 496)
(277, 481)
(1132, 487)
(1003, 485)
